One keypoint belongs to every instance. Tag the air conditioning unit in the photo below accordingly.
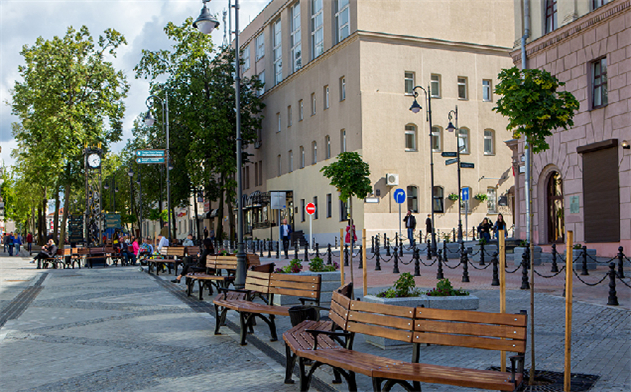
(257, 144)
(392, 179)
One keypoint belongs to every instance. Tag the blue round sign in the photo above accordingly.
(399, 196)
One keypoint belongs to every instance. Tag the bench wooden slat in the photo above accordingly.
(295, 285)
(294, 278)
(297, 293)
(471, 316)
(354, 361)
(518, 346)
(381, 320)
(256, 287)
(254, 307)
(395, 334)
(499, 331)
(390, 310)
(259, 275)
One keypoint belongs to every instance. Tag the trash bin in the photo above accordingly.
(298, 314)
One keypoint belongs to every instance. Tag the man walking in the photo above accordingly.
(29, 242)
(410, 224)
(285, 233)
(9, 241)
(428, 227)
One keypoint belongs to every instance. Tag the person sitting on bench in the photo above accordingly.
(48, 252)
(200, 266)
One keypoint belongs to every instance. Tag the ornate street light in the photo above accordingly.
(451, 128)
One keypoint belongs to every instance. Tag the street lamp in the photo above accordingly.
(206, 24)
(139, 203)
(149, 121)
(130, 173)
(451, 128)
(415, 108)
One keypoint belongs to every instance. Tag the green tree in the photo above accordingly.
(533, 105)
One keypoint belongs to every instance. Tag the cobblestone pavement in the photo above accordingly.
(119, 329)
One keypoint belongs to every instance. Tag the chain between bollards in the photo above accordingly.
(495, 262)
(612, 299)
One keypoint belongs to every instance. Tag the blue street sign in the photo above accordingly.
(150, 153)
(399, 196)
(151, 160)
(465, 194)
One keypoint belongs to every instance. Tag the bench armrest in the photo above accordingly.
(316, 332)
(520, 367)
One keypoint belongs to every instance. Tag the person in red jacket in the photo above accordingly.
(29, 242)
(348, 235)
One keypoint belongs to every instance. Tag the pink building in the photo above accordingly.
(583, 182)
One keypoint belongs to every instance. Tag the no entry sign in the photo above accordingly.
(310, 208)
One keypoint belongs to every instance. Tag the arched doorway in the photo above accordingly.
(556, 214)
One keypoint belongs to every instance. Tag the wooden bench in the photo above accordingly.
(193, 251)
(220, 272)
(89, 254)
(112, 254)
(264, 285)
(54, 261)
(489, 331)
(171, 255)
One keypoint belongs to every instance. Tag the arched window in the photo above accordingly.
(412, 192)
(438, 202)
(463, 140)
(437, 139)
(410, 137)
(489, 142)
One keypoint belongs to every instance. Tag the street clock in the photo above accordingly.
(94, 160)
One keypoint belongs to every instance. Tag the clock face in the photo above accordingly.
(94, 160)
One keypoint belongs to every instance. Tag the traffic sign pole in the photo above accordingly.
(399, 198)
(310, 209)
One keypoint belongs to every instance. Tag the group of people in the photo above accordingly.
(13, 241)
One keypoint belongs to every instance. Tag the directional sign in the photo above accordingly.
(150, 160)
(75, 228)
(399, 196)
(310, 208)
(450, 161)
(150, 153)
(465, 194)
(112, 221)
(448, 154)
(467, 165)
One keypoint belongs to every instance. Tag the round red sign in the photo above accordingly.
(310, 208)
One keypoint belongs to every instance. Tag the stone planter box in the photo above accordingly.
(453, 250)
(489, 249)
(519, 252)
(469, 302)
(578, 264)
(331, 281)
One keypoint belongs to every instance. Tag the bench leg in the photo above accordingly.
(243, 320)
(189, 286)
(387, 387)
(289, 366)
(271, 323)
(220, 318)
(201, 290)
(336, 376)
(305, 380)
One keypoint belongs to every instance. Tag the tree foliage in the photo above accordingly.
(349, 174)
(533, 105)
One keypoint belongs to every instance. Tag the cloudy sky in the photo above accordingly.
(140, 21)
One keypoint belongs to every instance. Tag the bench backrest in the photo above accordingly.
(192, 251)
(108, 249)
(388, 321)
(83, 251)
(305, 286)
(175, 251)
(258, 281)
(229, 262)
(97, 251)
(340, 306)
(465, 328)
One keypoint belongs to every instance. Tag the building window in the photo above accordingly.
(302, 157)
(302, 210)
(551, 16)
(262, 79)
(280, 166)
(409, 82)
(301, 113)
(343, 210)
(315, 202)
(486, 90)
(342, 88)
(462, 88)
(296, 44)
(317, 30)
(599, 83)
(278, 122)
(260, 46)
(326, 97)
(278, 53)
(435, 86)
(412, 192)
(290, 164)
(410, 137)
(463, 140)
(342, 18)
(329, 213)
(438, 202)
(246, 58)
(327, 146)
(289, 121)
(314, 149)
(491, 201)
(343, 140)
(489, 142)
(313, 104)
(599, 3)
(437, 139)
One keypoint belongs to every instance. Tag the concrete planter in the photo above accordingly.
(453, 250)
(331, 281)
(578, 256)
(519, 252)
(469, 302)
(489, 249)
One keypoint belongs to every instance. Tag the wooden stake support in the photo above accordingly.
(502, 268)
(364, 266)
(568, 310)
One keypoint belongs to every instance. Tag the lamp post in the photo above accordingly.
(206, 24)
(451, 128)
(130, 173)
(149, 121)
(415, 108)
(139, 203)
(113, 192)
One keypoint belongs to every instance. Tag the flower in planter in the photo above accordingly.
(481, 197)
(453, 197)
(317, 265)
(445, 289)
(294, 267)
(403, 287)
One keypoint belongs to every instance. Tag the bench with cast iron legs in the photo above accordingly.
(170, 256)
(220, 272)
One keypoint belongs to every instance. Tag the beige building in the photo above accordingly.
(339, 76)
(583, 182)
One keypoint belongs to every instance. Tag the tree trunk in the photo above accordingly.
(351, 232)
(64, 219)
(56, 217)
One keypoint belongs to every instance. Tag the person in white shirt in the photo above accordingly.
(188, 241)
(162, 242)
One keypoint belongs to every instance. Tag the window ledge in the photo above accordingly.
(411, 150)
(598, 107)
(489, 154)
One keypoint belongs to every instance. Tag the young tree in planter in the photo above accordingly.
(534, 108)
(349, 174)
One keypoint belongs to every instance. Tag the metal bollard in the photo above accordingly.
(278, 249)
(345, 255)
(439, 273)
(454, 233)
(473, 231)
(620, 262)
(400, 248)
(286, 250)
(395, 270)
(372, 244)
(417, 263)
(387, 244)
(464, 259)
(377, 262)
(306, 252)
(296, 250)
(524, 272)
(361, 262)
(317, 246)
(555, 267)
(584, 263)
(445, 256)
(396, 240)
(261, 248)
(335, 242)
(482, 253)
(613, 299)
(495, 262)
(429, 249)
(328, 255)
(269, 249)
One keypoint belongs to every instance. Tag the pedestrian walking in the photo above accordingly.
(212, 234)
(29, 242)
(17, 243)
(428, 227)
(285, 233)
(206, 232)
(348, 237)
(410, 224)
(485, 230)
(9, 242)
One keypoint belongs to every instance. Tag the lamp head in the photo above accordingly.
(130, 173)
(415, 108)
(116, 189)
(451, 127)
(626, 145)
(149, 119)
(106, 187)
(205, 23)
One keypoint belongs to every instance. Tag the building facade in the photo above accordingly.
(583, 182)
(339, 76)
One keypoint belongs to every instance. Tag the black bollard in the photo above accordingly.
(278, 249)
(454, 233)
(524, 272)
(306, 252)
(377, 262)
(584, 263)
(269, 249)
(495, 262)
(317, 246)
(261, 248)
(482, 253)
(395, 270)
(555, 267)
(286, 250)
(473, 231)
(439, 273)
(400, 248)
(417, 262)
(361, 261)
(613, 299)
(429, 250)
(620, 261)
(372, 244)
(335, 242)
(387, 244)
(296, 250)
(445, 256)
(345, 255)
(396, 240)
(464, 259)
(328, 255)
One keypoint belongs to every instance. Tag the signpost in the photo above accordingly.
(399, 198)
(75, 228)
(467, 165)
(448, 154)
(451, 161)
(112, 221)
(465, 198)
(160, 160)
(278, 201)
(150, 153)
(310, 208)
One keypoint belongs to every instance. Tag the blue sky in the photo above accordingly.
(140, 21)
